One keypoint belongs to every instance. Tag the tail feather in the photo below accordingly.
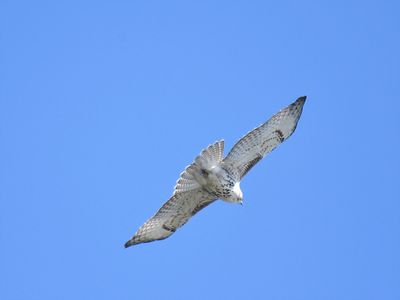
(209, 157)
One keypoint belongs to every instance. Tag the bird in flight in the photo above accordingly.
(211, 176)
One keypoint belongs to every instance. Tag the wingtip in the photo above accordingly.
(299, 102)
(128, 244)
(302, 99)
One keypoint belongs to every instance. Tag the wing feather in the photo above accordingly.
(172, 215)
(251, 148)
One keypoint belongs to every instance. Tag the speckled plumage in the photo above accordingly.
(211, 177)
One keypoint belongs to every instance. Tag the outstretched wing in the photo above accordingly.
(172, 215)
(251, 148)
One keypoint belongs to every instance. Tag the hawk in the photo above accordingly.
(211, 176)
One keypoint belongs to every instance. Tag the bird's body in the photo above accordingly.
(211, 177)
(221, 183)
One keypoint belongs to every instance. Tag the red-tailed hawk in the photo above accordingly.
(211, 176)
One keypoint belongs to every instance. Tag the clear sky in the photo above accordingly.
(103, 104)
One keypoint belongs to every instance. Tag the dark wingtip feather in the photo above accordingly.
(128, 243)
(302, 99)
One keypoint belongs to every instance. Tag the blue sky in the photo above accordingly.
(103, 104)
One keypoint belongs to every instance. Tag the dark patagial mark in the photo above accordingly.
(280, 135)
(201, 206)
(168, 228)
